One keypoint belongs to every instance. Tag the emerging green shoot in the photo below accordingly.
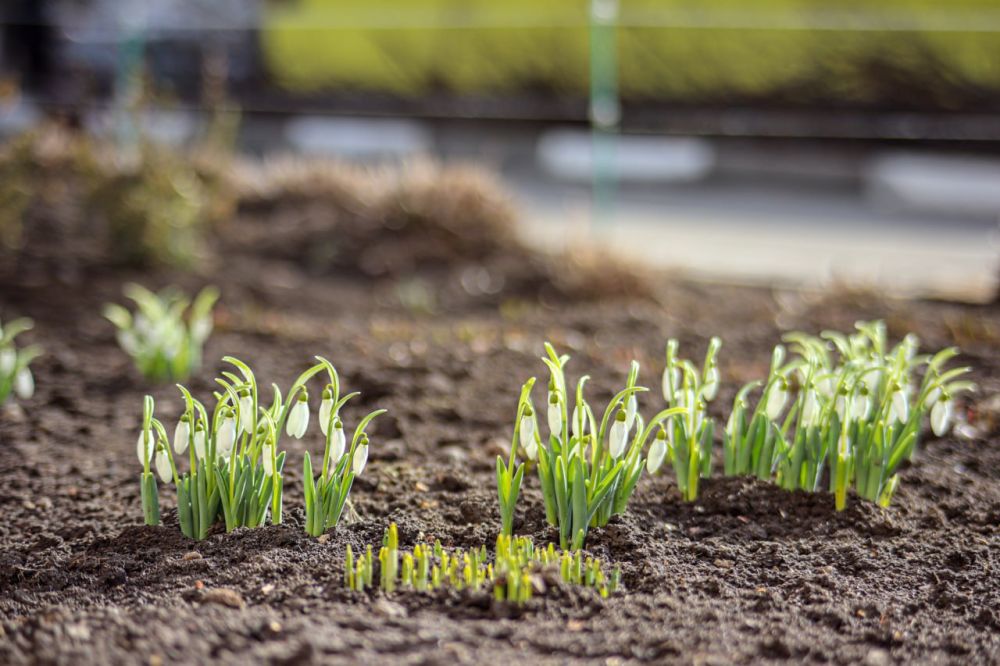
(588, 469)
(855, 417)
(15, 375)
(326, 495)
(688, 441)
(511, 571)
(164, 337)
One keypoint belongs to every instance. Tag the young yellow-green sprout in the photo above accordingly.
(509, 571)
(15, 375)
(587, 469)
(164, 337)
(688, 440)
(327, 494)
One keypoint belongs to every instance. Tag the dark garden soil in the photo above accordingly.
(442, 330)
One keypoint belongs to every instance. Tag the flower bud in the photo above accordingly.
(555, 414)
(246, 410)
(777, 397)
(941, 414)
(24, 384)
(618, 435)
(298, 418)
(711, 387)
(163, 463)
(145, 446)
(325, 408)
(360, 456)
(657, 452)
(199, 440)
(226, 437)
(182, 433)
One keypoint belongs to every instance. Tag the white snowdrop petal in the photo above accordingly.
(246, 413)
(199, 444)
(325, 408)
(555, 419)
(711, 388)
(631, 409)
(24, 384)
(657, 452)
(140, 447)
(526, 432)
(616, 439)
(900, 409)
(777, 397)
(360, 459)
(338, 443)
(941, 414)
(8, 358)
(266, 460)
(932, 397)
(163, 465)
(182, 434)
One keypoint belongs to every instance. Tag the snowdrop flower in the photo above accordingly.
(201, 328)
(163, 463)
(810, 408)
(338, 443)
(657, 452)
(555, 414)
(631, 408)
(826, 385)
(226, 437)
(711, 386)
(8, 358)
(142, 451)
(246, 410)
(841, 406)
(932, 397)
(777, 397)
(526, 431)
(298, 418)
(325, 408)
(618, 435)
(900, 409)
(182, 433)
(671, 382)
(266, 457)
(24, 384)
(861, 405)
(941, 414)
(199, 440)
(360, 456)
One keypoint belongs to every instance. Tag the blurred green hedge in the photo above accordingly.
(857, 51)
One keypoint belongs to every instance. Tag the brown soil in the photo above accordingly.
(749, 573)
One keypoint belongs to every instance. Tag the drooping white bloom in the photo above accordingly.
(941, 414)
(657, 452)
(526, 430)
(201, 328)
(618, 435)
(338, 442)
(671, 382)
(182, 434)
(142, 451)
(8, 358)
(298, 418)
(826, 385)
(266, 453)
(199, 440)
(163, 463)
(841, 407)
(360, 457)
(932, 397)
(711, 386)
(777, 397)
(731, 422)
(24, 384)
(900, 410)
(631, 409)
(226, 437)
(555, 415)
(810, 408)
(325, 408)
(246, 411)
(860, 406)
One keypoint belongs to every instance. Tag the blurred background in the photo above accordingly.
(787, 142)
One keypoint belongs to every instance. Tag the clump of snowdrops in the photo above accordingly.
(846, 409)
(166, 334)
(511, 570)
(15, 375)
(688, 441)
(235, 465)
(588, 469)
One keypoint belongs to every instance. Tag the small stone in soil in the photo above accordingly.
(224, 597)
(192, 555)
